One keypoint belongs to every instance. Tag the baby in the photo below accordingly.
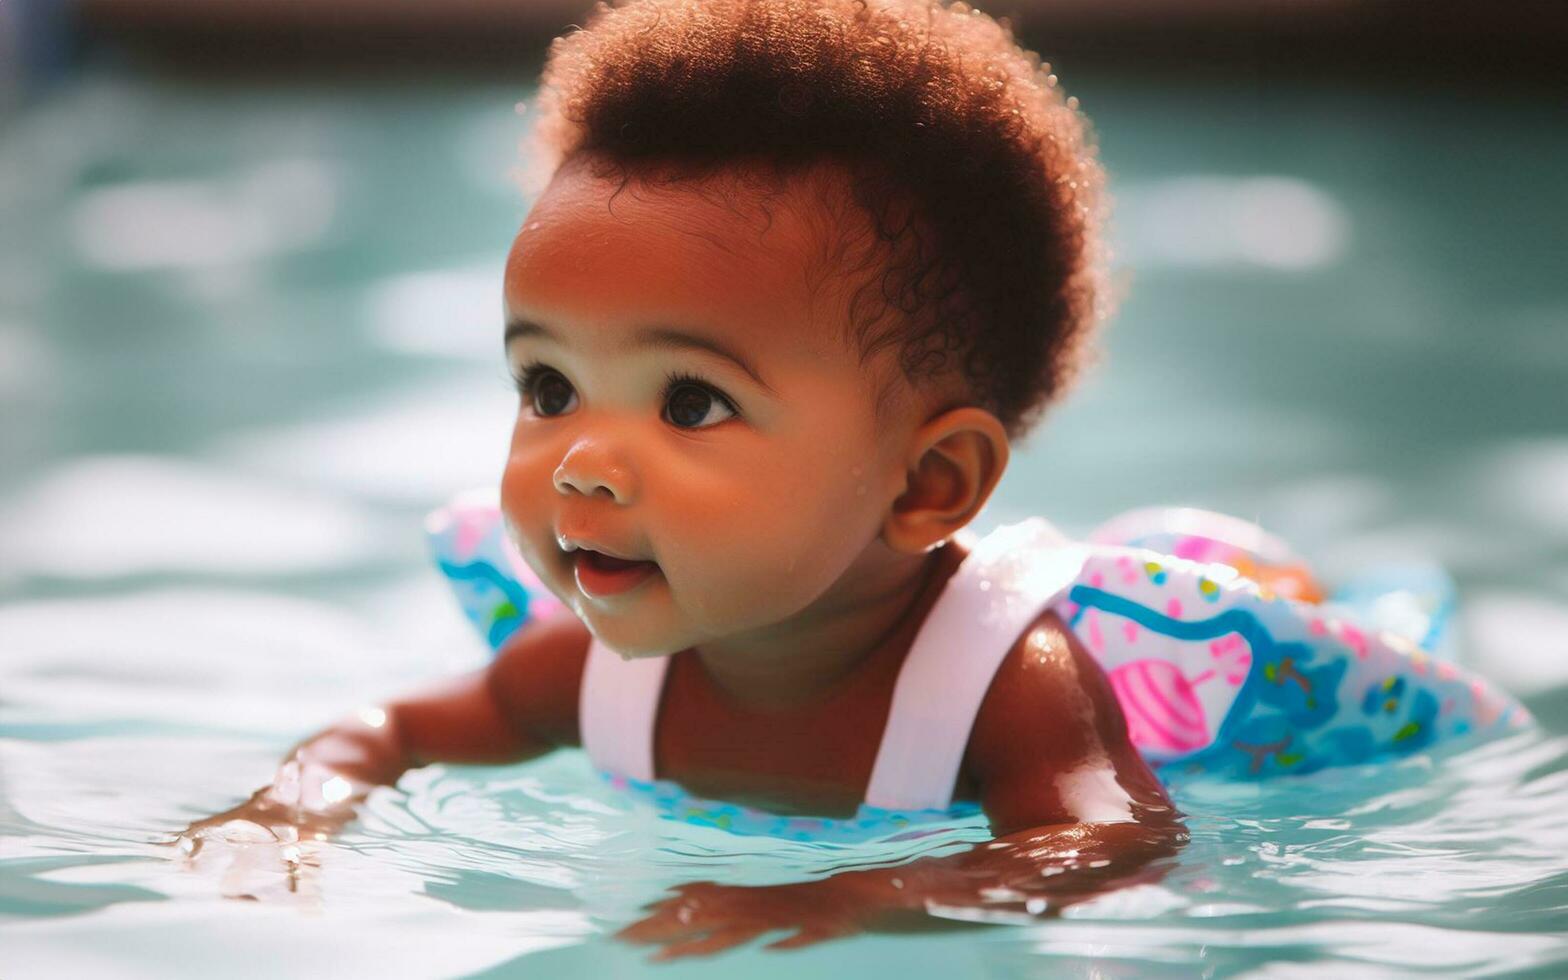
(802, 270)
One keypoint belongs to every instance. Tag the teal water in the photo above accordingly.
(248, 334)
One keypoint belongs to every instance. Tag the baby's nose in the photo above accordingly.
(590, 468)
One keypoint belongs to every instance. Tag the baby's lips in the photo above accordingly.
(570, 543)
(612, 563)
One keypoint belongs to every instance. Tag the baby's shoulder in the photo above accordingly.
(1049, 700)
(1049, 744)
(537, 676)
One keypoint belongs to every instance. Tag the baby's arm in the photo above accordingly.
(1075, 809)
(522, 705)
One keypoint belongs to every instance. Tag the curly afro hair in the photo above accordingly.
(978, 178)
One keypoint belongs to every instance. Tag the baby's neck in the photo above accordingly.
(869, 617)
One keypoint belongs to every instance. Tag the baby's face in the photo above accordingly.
(687, 400)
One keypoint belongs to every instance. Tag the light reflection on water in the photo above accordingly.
(1452, 862)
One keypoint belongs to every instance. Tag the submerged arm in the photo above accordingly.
(1076, 810)
(520, 706)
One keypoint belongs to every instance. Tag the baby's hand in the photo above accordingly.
(251, 860)
(273, 839)
(313, 793)
(704, 917)
(305, 798)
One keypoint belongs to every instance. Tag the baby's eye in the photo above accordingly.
(690, 402)
(545, 390)
(694, 405)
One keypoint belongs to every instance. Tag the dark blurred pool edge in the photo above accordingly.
(1444, 43)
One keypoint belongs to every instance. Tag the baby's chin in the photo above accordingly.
(629, 641)
(635, 634)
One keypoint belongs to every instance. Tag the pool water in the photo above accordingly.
(249, 334)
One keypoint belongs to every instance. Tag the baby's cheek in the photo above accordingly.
(528, 477)
(774, 565)
(519, 475)
(723, 578)
(526, 501)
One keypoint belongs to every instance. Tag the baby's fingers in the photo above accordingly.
(190, 844)
(662, 927)
(808, 936)
(273, 872)
(715, 942)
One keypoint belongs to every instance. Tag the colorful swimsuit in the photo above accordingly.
(1214, 671)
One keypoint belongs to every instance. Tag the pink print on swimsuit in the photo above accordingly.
(1174, 692)
(1218, 674)
(1163, 711)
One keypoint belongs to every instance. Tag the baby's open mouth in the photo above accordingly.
(599, 574)
(608, 563)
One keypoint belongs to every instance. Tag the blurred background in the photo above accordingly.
(249, 274)
(249, 333)
(249, 279)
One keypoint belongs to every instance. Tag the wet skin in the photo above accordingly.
(800, 531)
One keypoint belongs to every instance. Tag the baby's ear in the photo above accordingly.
(954, 462)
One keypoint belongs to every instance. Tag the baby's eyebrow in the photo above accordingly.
(661, 338)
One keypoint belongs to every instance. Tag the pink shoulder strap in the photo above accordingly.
(1000, 588)
(617, 706)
